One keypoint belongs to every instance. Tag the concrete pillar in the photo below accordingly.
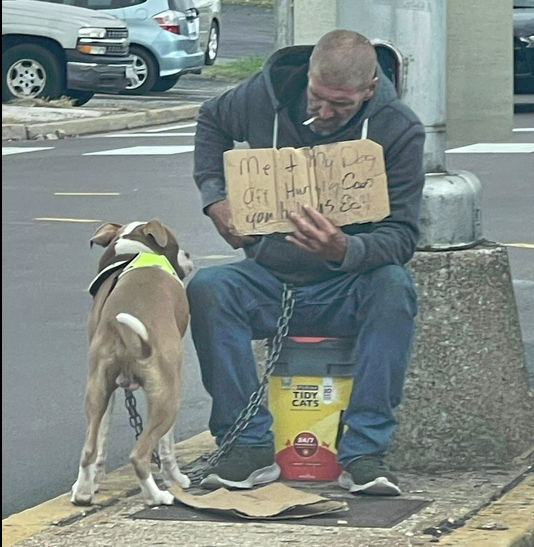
(467, 401)
(480, 71)
(313, 18)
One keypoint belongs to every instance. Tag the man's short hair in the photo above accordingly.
(343, 57)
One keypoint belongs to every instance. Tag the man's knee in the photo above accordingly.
(392, 287)
(210, 285)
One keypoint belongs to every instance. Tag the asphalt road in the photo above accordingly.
(47, 266)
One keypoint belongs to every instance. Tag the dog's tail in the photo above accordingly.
(136, 342)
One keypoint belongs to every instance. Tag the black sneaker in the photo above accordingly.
(245, 466)
(370, 475)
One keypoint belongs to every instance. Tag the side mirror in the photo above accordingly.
(391, 61)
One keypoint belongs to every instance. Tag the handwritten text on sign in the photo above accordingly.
(345, 181)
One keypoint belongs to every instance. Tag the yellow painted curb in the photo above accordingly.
(116, 486)
(509, 522)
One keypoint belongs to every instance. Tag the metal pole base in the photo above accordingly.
(451, 216)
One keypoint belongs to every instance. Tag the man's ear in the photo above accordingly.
(156, 229)
(371, 89)
(105, 234)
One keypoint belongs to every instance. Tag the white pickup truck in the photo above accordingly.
(51, 50)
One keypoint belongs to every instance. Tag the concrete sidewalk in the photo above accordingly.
(43, 122)
(487, 508)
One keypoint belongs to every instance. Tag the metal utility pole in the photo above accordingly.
(283, 16)
(421, 36)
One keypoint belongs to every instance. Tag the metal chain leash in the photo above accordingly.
(136, 421)
(253, 406)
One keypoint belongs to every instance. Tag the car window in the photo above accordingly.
(523, 3)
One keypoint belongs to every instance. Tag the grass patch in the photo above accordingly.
(240, 69)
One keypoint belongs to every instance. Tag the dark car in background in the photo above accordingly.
(524, 46)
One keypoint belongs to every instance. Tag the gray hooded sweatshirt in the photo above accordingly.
(268, 110)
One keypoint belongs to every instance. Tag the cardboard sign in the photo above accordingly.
(345, 181)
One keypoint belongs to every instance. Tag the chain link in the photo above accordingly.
(136, 421)
(253, 406)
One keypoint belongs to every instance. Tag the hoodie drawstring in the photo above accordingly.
(365, 128)
(275, 131)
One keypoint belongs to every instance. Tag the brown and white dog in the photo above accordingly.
(136, 325)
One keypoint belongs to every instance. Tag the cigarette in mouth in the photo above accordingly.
(310, 121)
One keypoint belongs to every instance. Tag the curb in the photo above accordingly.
(13, 132)
(119, 484)
(507, 522)
(106, 123)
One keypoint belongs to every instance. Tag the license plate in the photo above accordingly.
(193, 28)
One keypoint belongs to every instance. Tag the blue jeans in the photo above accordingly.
(233, 304)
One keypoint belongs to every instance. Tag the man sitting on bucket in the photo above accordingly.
(348, 282)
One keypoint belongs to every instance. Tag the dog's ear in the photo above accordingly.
(156, 229)
(105, 234)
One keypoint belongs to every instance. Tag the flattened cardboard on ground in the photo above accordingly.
(275, 501)
(346, 181)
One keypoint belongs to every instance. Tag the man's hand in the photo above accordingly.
(219, 212)
(318, 236)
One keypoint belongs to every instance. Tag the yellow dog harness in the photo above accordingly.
(150, 260)
(142, 260)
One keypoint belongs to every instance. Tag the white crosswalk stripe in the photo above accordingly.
(172, 128)
(495, 148)
(149, 135)
(144, 151)
(13, 150)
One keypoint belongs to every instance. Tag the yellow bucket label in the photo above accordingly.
(306, 412)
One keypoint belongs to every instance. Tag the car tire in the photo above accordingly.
(166, 83)
(80, 97)
(146, 68)
(30, 71)
(212, 49)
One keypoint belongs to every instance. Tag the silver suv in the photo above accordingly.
(49, 51)
(168, 37)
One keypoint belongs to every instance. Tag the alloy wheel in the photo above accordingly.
(213, 43)
(26, 78)
(141, 71)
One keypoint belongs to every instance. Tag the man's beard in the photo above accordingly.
(327, 131)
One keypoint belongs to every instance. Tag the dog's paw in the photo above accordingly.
(184, 481)
(173, 478)
(160, 498)
(83, 490)
(79, 497)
